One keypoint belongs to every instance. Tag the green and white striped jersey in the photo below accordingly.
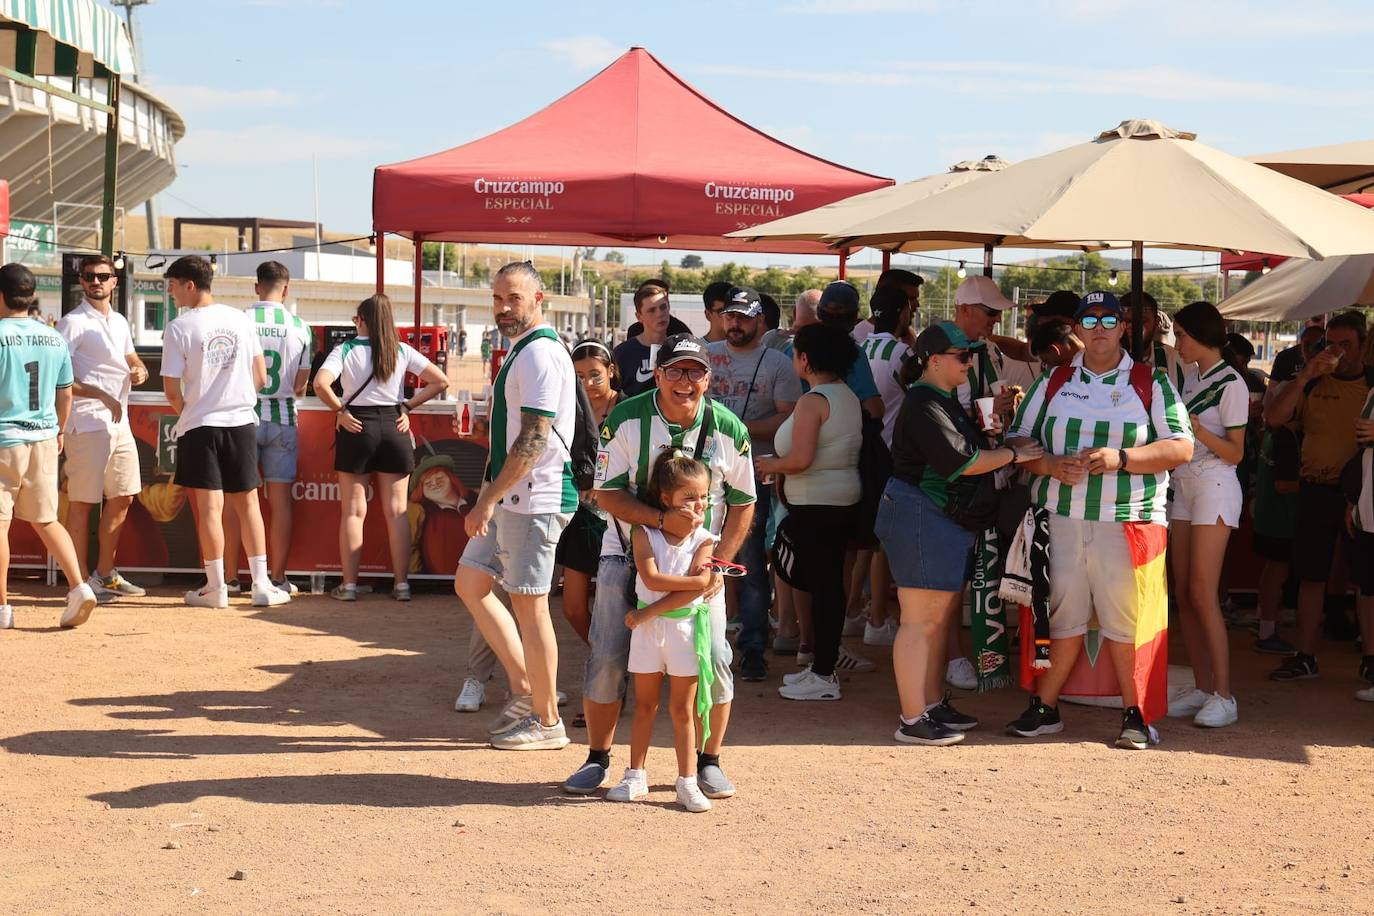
(1364, 506)
(1102, 411)
(536, 378)
(286, 345)
(885, 357)
(1163, 356)
(990, 365)
(1220, 399)
(635, 433)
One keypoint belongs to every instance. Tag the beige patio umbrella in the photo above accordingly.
(1342, 168)
(1143, 182)
(1297, 289)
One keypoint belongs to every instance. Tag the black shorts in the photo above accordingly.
(579, 548)
(1362, 562)
(380, 448)
(218, 458)
(1320, 527)
(1279, 550)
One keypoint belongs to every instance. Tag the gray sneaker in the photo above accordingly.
(512, 714)
(587, 778)
(714, 783)
(117, 584)
(530, 735)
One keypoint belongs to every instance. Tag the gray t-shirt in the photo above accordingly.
(772, 376)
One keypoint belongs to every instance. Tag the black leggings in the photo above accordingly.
(809, 555)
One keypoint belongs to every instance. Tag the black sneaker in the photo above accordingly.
(927, 730)
(1298, 667)
(1367, 669)
(753, 667)
(1135, 736)
(1038, 719)
(945, 713)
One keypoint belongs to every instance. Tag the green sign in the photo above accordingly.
(31, 242)
(167, 443)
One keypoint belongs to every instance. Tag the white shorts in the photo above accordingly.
(665, 645)
(1091, 570)
(1202, 496)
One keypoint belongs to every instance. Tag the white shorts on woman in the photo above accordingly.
(1204, 494)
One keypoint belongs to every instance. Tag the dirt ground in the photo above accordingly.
(151, 754)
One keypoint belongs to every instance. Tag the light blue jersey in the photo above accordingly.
(34, 363)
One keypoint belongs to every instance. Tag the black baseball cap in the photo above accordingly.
(679, 347)
(839, 300)
(887, 300)
(743, 300)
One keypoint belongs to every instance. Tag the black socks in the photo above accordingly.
(707, 760)
(602, 758)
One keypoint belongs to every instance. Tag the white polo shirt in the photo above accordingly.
(100, 345)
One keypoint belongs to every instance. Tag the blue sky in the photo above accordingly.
(901, 88)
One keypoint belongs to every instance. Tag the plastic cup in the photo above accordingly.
(317, 582)
(765, 480)
(987, 415)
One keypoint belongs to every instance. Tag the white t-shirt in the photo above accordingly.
(211, 349)
(861, 331)
(885, 355)
(671, 560)
(100, 345)
(351, 363)
(1220, 399)
(536, 378)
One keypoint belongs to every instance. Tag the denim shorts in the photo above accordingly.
(925, 548)
(608, 660)
(277, 451)
(518, 549)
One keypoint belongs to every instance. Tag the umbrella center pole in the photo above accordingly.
(987, 260)
(1137, 296)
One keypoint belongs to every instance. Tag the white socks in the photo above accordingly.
(214, 573)
(258, 567)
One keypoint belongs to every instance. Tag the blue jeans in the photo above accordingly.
(756, 587)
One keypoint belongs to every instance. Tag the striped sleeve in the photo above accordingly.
(739, 474)
(1028, 414)
(1234, 407)
(616, 457)
(1168, 415)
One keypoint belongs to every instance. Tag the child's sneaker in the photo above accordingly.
(634, 785)
(689, 795)
(6, 617)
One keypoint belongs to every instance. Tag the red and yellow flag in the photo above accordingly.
(1147, 543)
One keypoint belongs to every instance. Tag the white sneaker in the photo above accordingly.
(562, 698)
(959, 673)
(1188, 703)
(633, 786)
(529, 734)
(854, 626)
(1218, 712)
(471, 696)
(796, 677)
(6, 617)
(208, 597)
(1367, 694)
(80, 603)
(854, 663)
(270, 596)
(689, 795)
(515, 710)
(811, 686)
(884, 635)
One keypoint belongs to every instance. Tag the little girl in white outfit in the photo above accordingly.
(671, 627)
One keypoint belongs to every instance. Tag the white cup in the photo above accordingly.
(987, 415)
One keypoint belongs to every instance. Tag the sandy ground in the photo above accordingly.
(151, 754)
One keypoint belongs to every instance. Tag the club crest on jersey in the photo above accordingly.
(1116, 397)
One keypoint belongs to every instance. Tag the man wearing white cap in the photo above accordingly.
(979, 305)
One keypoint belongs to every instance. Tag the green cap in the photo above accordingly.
(939, 337)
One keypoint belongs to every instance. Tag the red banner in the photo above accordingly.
(160, 533)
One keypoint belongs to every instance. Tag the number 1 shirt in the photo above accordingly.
(34, 363)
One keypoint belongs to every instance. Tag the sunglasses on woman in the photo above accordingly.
(964, 356)
(1108, 322)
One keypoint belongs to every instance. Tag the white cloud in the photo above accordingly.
(583, 52)
(858, 7)
(270, 144)
(822, 77)
(303, 4)
(204, 98)
(1235, 18)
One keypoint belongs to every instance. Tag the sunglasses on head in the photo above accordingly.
(676, 373)
(1108, 322)
(97, 278)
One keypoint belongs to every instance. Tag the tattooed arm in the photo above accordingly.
(535, 430)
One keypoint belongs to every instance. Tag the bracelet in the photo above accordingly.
(660, 519)
(1121, 457)
(1014, 453)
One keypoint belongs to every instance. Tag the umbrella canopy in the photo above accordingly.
(1342, 168)
(1301, 289)
(833, 218)
(1141, 182)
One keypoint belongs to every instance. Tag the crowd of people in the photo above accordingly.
(778, 485)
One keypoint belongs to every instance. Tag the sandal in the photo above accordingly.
(579, 721)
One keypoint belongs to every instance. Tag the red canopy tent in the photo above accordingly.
(1251, 260)
(634, 156)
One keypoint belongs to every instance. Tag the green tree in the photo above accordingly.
(614, 257)
(429, 256)
(588, 253)
(730, 272)
(692, 262)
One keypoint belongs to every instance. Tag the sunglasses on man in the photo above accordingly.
(97, 278)
(1108, 322)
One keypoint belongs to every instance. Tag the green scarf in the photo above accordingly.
(706, 674)
(990, 645)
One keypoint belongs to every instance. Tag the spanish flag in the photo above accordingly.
(1147, 543)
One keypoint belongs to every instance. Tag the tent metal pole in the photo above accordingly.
(887, 261)
(1137, 295)
(419, 275)
(987, 260)
(844, 258)
(380, 243)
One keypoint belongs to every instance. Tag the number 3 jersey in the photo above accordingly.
(286, 345)
(34, 363)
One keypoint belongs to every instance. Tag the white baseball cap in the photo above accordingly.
(981, 290)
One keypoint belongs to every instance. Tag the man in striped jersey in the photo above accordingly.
(286, 345)
(675, 414)
(1107, 461)
(891, 313)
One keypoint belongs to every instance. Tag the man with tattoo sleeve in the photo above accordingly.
(525, 503)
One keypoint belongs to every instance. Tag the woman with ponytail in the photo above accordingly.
(1206, 506)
